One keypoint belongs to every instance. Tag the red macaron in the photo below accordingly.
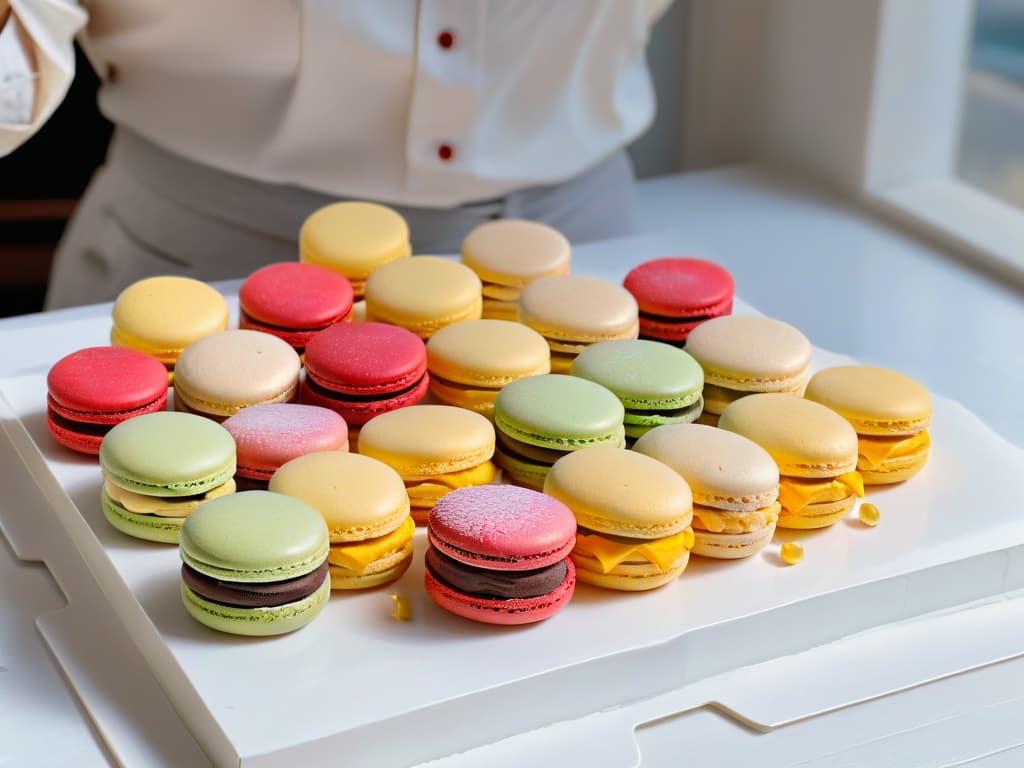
(293, 300)
(675, 295)
(361, 370)
(92, 390)
(499, 554)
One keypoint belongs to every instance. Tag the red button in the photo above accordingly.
(446, 152)
(446, 39)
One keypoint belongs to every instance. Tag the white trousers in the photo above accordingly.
(149, 212)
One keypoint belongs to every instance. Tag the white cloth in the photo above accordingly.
(429, 103)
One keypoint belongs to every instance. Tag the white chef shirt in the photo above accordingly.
(427, 103)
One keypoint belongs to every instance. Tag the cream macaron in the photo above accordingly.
(508, 255)
(815, 450)
(744, 354)
(734, 481)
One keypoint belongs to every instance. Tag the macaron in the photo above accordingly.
(500, 554)
(633, 517)
(160, 316)
(361, 370)
(220, 374)
(814, 448)
(354, 238)
(471, 360)
(364, 503)
(657, 383)
(269, 435)
(92, 389)
(434, 448)
(541, 418)
(509, 254)
(573, 311)
(675, 295)
(423, 294)
(890, 413)
(254, 563)
(292, 301)
(734, 482)
(744, 354)
(159, 468)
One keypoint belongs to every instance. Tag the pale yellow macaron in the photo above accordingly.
(741, 354)
(222, 373)
(434, 448)
(471, 360)
(890, 413)
(364, 503)
(814, 448)
(574, 311)
(508, 255)
(734, 481)
(423, 294)
(354, 238)
(634, 515)
(162, 315)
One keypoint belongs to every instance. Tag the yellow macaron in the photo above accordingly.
(354, 238)
(574, 311)
(634, 515)
(423, 294)
(471, 360)
(434, 448)
(364, 503)
(890, 413)
(508, 255)
(815, 450)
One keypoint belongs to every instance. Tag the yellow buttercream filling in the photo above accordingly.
(795, 493)
(357, 555)
(423, 493)
(725, 521)
(872, 451)
(163, 506)
(609, 553)
(500, 292)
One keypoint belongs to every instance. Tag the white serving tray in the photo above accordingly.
(356, 687)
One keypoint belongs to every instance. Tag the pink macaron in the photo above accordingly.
(93, 389)
(499, 554)
(292, 301)
(675, 295)
(272, 434)
(361, 370)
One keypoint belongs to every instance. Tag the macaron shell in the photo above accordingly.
(293, 295)
(487, 353)
(751, 352)
(515, 252)
(521, 470)
(254, 536)
(162, 315)
(818, 515)
(258, 622)
(731, 546)
(642, 374)
(724, 469)
(365, 359)
(805, 438)
(425, 440)
(503, 612)
(477, 399)
(168, 454)
(502, 527)
(358, 412)
(271, 434)
(353, 238)
(164, 530)
(621, 492)
(382, 571)
(423, 294)
(628, 577)
(897, 468)
(73, 436)
(226, 371)
(681, 287)
(106, 385)
(579, 308)
(358, 497)
(876, 401)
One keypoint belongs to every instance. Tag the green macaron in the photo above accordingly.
(255, 563)
(159, 467)
(656, 382)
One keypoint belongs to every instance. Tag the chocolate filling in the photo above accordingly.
(254, 595)
(80, 427)
(674, 320)
(343, 398)
(483, 582)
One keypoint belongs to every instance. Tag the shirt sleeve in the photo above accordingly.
(37, 64)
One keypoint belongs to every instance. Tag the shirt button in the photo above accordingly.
(446, 152)
(446, 39)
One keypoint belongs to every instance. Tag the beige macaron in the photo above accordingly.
(735, 486)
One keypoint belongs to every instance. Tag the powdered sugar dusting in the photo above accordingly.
(274, 433)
